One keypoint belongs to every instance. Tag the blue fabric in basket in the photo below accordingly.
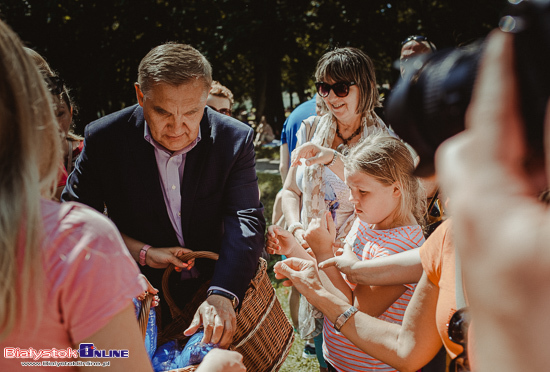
(170, 356)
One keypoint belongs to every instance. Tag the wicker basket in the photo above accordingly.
(264, 334)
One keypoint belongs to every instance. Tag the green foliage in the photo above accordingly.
(257, 48)
(294, 362)
(272, 153)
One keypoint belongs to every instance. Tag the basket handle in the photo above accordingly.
(174, 310)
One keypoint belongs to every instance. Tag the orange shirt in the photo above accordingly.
(438, 261)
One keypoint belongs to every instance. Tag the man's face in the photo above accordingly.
(174, 113)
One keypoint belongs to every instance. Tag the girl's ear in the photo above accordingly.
(396, 189)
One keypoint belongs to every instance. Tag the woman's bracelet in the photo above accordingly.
(295, 226)
(334, 157)
(344, 317)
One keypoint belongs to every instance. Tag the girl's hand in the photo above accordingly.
(314, 154)
(320, 235)
(280, 241)
(299, 235)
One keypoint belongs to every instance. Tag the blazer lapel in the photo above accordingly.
(192, 173)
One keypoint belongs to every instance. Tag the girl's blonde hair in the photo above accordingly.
(388, 160)
(30, 157)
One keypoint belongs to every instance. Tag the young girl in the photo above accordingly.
(389, 203)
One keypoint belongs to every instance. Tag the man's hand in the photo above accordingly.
(160, 258)
(218, 318)
(218, 360)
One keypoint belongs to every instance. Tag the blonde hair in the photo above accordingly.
(30, 157)
(387, 159)
(351, 64)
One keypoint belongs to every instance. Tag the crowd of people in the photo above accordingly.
(383, 277)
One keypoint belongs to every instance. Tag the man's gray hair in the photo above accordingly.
(173, 64)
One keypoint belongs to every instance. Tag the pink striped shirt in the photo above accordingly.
(368, 244)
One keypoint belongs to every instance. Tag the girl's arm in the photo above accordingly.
(406, 347)
(320, 236)
(401, 268)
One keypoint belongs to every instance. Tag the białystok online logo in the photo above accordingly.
(84, 351)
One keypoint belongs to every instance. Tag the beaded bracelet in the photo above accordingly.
(334, 157)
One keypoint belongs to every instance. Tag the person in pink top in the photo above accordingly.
(67, 278)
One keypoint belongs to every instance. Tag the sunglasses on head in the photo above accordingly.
(419, 39)
(458, 331)
(55, 85)
(341, 89)
(224, 111)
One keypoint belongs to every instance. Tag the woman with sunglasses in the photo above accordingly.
(346, 82)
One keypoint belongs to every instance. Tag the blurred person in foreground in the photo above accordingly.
(504, 246)
(177, 176)
(414, 46)
(58, 260)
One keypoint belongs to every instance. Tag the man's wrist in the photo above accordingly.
(234, 300)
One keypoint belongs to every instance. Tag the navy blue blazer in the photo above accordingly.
(220, 212)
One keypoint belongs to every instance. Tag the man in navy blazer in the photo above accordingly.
(173, 173)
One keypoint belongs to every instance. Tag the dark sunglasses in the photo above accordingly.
(458, 330)
(55, 84)
(224, 111)
(418, 38)
(341, 89)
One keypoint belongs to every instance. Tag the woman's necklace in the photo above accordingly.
(343, 148)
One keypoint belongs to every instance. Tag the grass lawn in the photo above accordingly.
(294, 362)
(270, 184)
